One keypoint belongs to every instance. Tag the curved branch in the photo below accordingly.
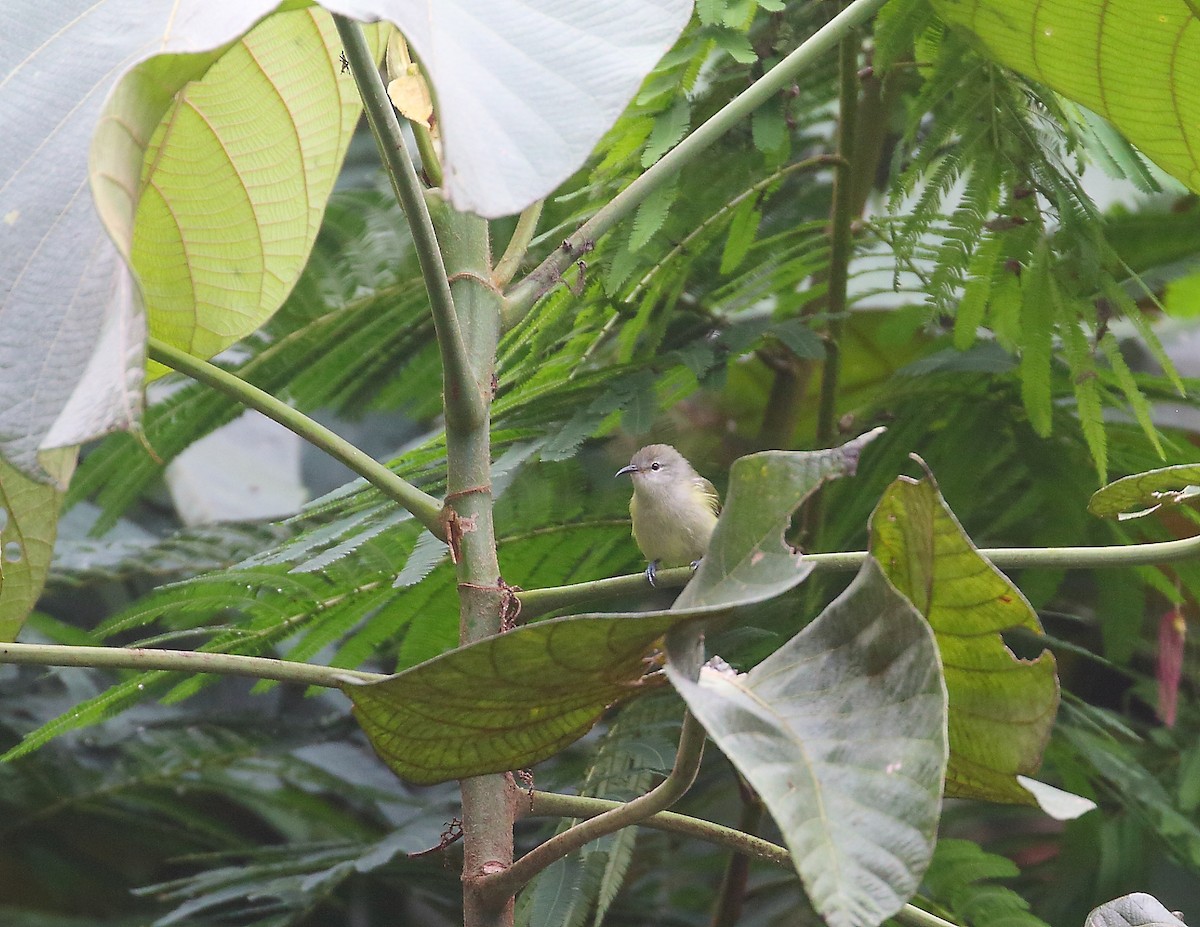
(506, 883)
(552, 805)
(186, 661)
(424, 507)
(535, 602)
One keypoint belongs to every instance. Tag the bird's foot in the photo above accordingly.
(651, 571)
(695, 565)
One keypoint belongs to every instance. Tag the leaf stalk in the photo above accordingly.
(385, 127)
(424, 507)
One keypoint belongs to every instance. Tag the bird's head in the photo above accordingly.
(657, 466)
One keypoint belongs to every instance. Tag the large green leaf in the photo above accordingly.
(74, 332)
(1135, 62)
(28, 523)
(1001, 707)
(517, 698)
(508, 701)
(842, 732)
(235, 178)
(1147, 491)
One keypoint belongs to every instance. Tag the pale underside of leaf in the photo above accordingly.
(842, 732)
(1135, 62)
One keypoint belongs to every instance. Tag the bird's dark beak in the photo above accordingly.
(630, 469)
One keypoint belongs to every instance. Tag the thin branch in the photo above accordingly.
(506, 883)
(552, 805)
(185, 661)
(547, 274)
(458, 384)
(535, 602)
(517, 245)
(424, 507)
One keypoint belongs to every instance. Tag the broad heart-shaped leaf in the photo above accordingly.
(1147, 491)
(842, 732)
(1001, 708)
(512, 700)
(1136, 910)
(747, 559)
(525, 90)
(28, 524)
(508, 701)
(1135, 62)
(234, 181)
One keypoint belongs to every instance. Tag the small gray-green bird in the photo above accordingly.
(674, 509)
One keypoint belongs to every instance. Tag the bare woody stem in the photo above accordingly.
(687, 764)
(402, 173)
(547, 274)
(424, 507)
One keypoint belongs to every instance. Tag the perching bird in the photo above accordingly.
(674, 509)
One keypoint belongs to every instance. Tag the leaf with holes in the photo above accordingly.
(1001, 708)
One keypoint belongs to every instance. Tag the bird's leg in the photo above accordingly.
(651, 570)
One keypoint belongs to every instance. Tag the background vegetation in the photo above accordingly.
(1024, 339)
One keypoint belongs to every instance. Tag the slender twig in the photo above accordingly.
(549, 272)
(185, 661)
(381, 117)
(517, 245)
(536, 602)
(553, 805)
(424, 507)
(507, 882)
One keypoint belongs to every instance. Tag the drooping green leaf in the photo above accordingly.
(742, 228)
(962, 877)
(1147, 492)
(1135, 62)
(28, 524)
(842, 732)
(1001, 708)
(1038, 299)
(748, 559)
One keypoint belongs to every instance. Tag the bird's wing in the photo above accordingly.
(710, 494)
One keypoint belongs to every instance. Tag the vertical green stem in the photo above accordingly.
(489, 802)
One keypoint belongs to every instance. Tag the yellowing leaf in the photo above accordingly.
(1001, 708)
(1135, 62)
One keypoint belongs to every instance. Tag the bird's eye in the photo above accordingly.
(656, 466)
